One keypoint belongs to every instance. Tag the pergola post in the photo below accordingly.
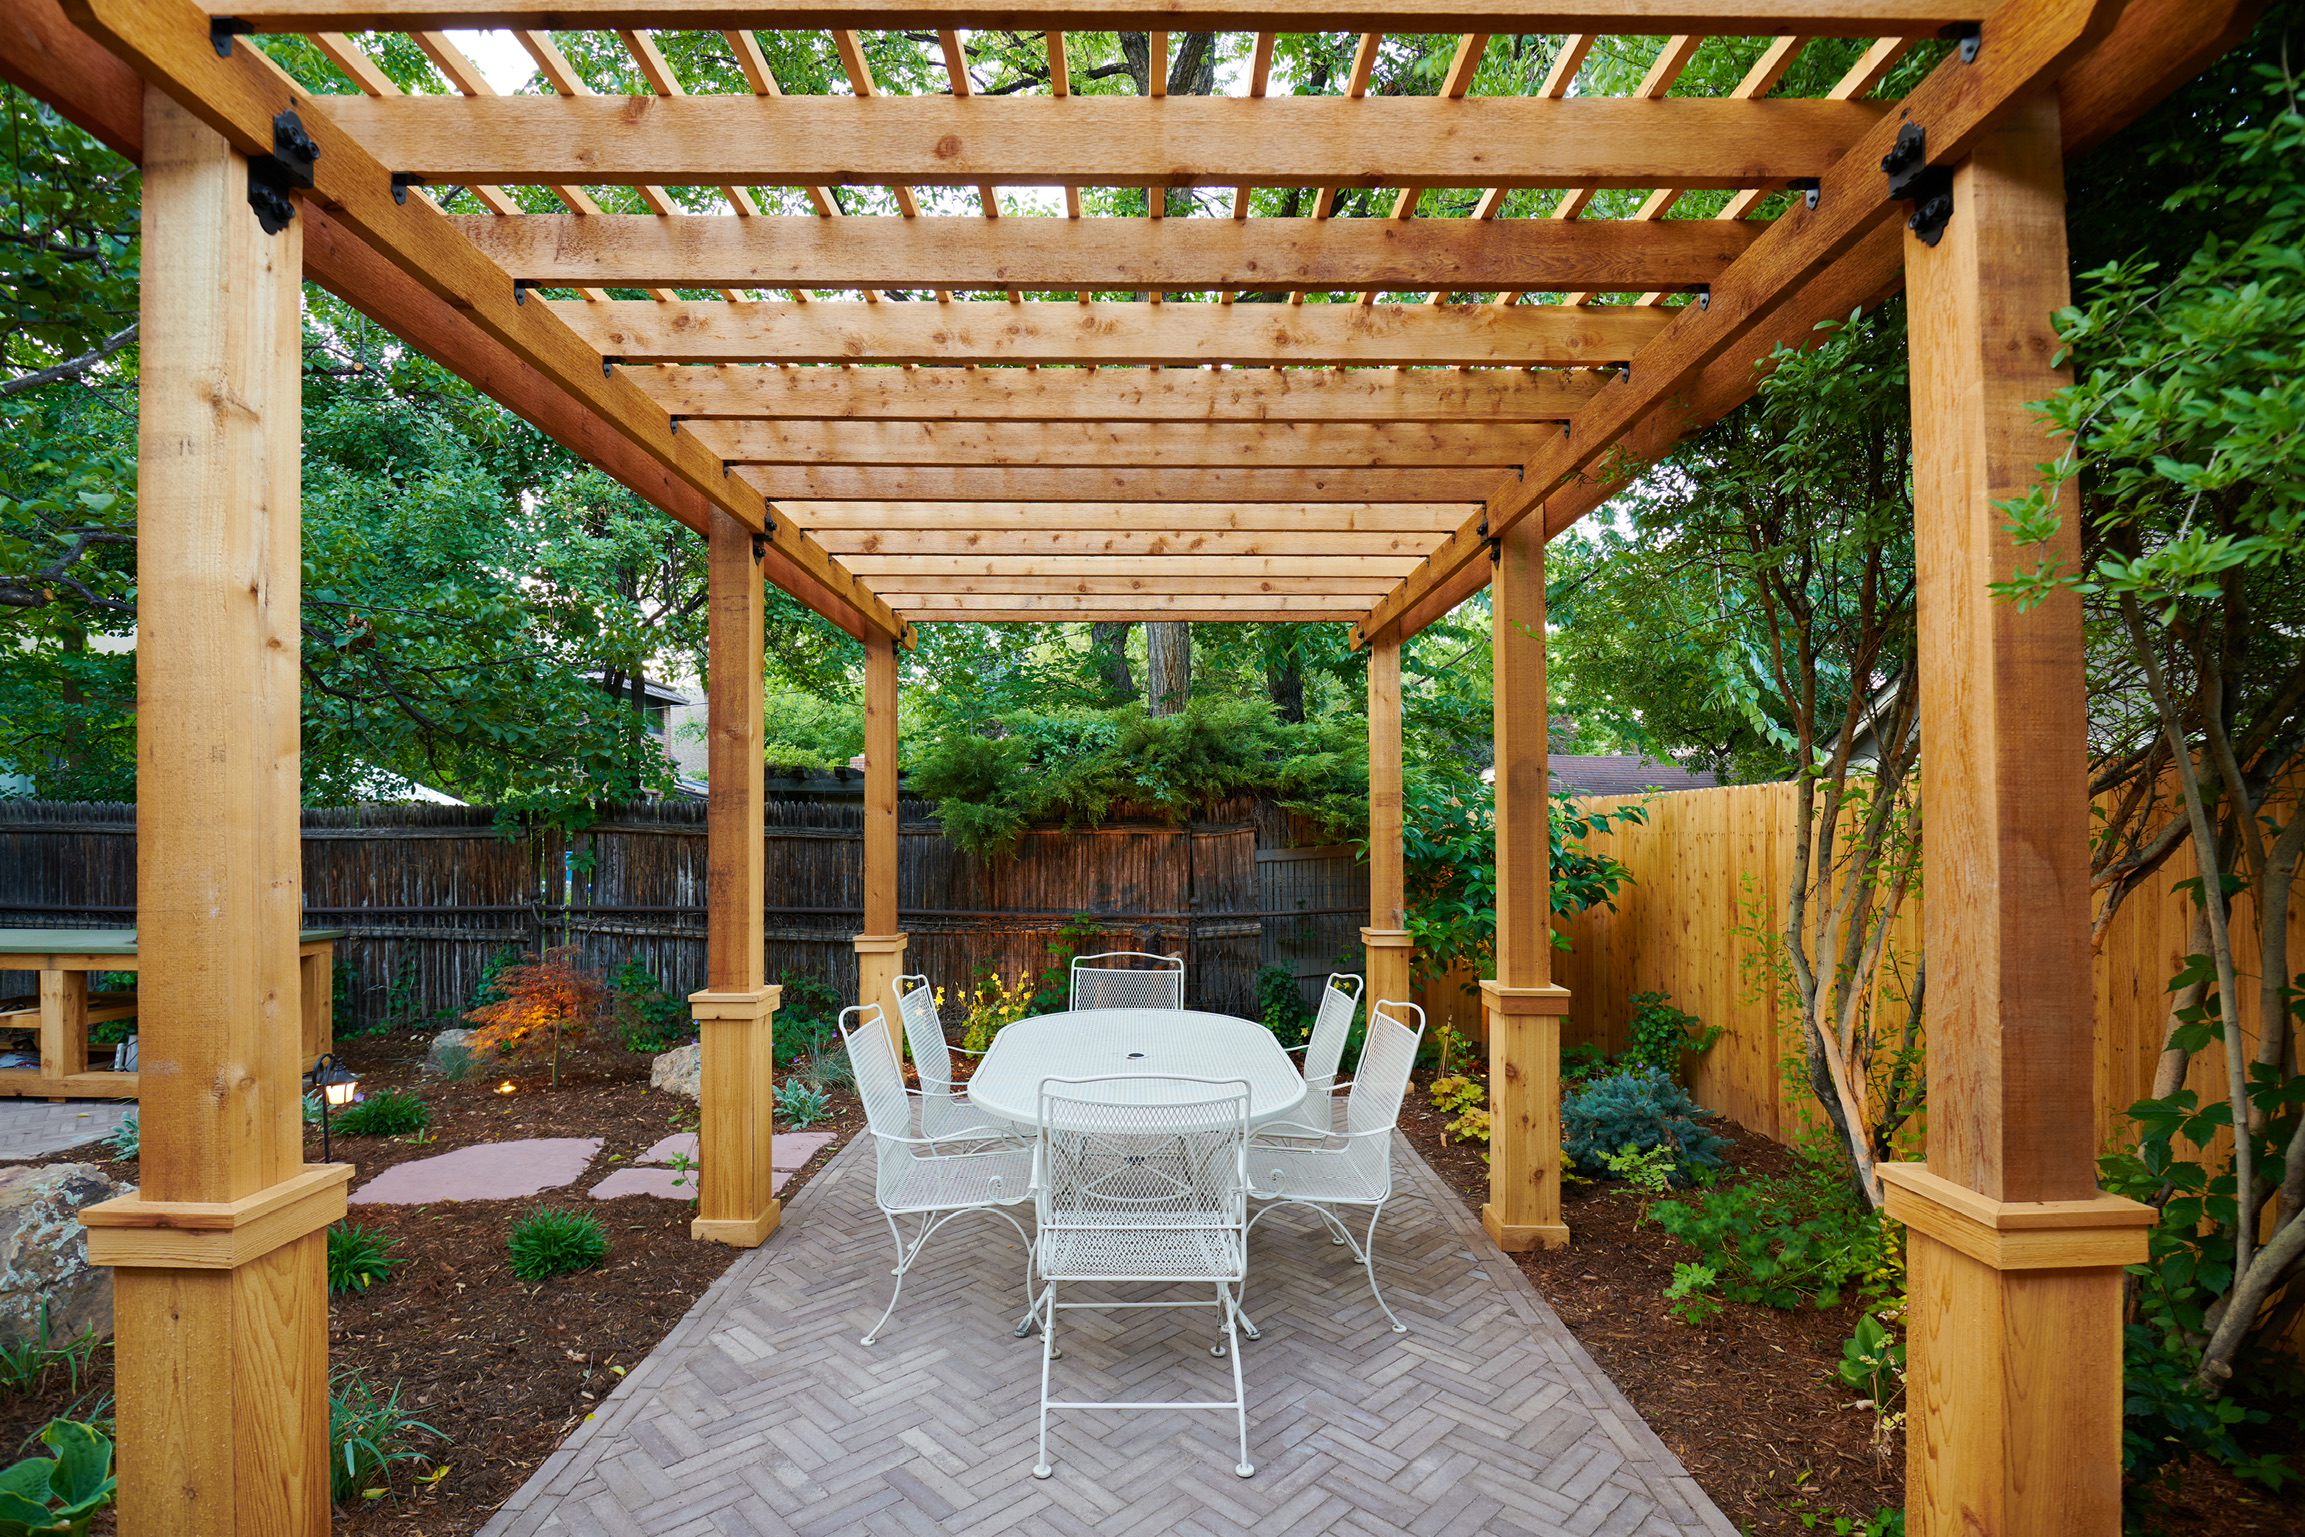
(880, 948)
(1520, 1005)
(735, 1013)
(1387, 937)
(2014, 1256)
(221, 1304)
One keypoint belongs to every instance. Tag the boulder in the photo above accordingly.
(44, 1251)
(445, 1047)
(679, 1071)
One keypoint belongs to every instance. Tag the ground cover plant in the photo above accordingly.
(371, 1434)
(358, 1257)
(550, 1242)
(384, 1113)
(64, 1491)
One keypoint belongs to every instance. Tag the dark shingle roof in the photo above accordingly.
(1626, 774)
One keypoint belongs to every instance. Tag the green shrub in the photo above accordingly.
(807, 1018)
(549, 1242)
(829, 1069)
(1872, 1362)
(1663, 1035)
(386, 1113)
(1281, 1005)
(62, 1493)
(646, 1016)
(368, 1432)
(1636, 1110)
(358, 1257)
(1777, 1241)
(800, 1105)
(1690, 1297)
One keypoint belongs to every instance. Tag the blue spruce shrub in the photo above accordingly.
(1640, 1108)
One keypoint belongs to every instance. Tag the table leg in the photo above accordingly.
(63, 1023)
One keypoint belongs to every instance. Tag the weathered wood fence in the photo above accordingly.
(430, 894)
(1709, 863)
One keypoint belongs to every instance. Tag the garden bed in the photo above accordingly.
(1749, 1401)
(502, 1368)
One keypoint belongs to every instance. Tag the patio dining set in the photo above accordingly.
(1147, 1138)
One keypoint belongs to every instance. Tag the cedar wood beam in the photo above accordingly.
(1050, 445)
(1808, 18)
(997, 331)
(1102, 141)
(2026, 45)
(767, 251)
(167, 42)
(1117, 394)
(1141, 483)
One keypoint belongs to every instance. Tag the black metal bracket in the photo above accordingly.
(760, 543)
(1495, 542)
(289, 166)
(520, 290)
(724, 467)
(607, 364)
(1970, 35)
(223, 29)
(1704, 293)
(402, 181)
(676, 421)
(1624, 370)
(1808, 187)
(1929, 188)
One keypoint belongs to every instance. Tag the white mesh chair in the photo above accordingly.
(1324, 1049)
(1157, 982)
(1126, 1190)
(1290, 1166)
(944, 1107)
(936, 1177)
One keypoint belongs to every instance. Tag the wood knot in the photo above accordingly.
(948, 146)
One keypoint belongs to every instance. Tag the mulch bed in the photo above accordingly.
(502, 1368)
(1748, 1401)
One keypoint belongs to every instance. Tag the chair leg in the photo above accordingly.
(1047, 1307)
(904, 1259)
(1368, 1259)
(1246, 1468)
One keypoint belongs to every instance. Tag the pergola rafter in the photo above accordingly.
(890, 459)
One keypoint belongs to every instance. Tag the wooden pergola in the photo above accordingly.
(1375, 455)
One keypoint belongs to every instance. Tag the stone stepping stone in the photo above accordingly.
(787, 1150)
(486, 1171)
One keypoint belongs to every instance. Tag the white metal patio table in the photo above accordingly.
(1146, 1043)
(1134, 1043)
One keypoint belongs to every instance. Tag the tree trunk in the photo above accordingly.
(1285, 685)
(1109, 640)
(1168, 666)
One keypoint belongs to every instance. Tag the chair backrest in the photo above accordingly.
(1151, 1154)
(924, 1032)
(1380, 1083)
(1142, 982)
(879, 1078)
(1326, 1049)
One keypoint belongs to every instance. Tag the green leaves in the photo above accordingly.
(61, 1493)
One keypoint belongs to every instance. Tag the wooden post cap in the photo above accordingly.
(881, 944)
(1388, 939)
(752, 1003)
(2106, 1230)
(214, 1235)
(1497, 998)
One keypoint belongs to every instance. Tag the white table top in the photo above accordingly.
(1153, 1043)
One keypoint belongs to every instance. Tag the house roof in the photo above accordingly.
(1624, 774)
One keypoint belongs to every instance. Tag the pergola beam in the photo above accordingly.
(168, 42)
(1142, 483)
(1815, 18)
(1161, 567)
(1280, 517)
(977, 541)
(2025, 43)
(1104, 141)
(700, 331)
(1227, 587)
(967, 394)
(1128, 444)
(711, 251)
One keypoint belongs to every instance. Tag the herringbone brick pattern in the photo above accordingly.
(33, 1128)
(761, 1412)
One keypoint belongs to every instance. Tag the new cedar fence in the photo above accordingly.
(1709, 863)
(430, 894)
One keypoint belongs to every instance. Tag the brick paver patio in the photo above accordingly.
(761, 1412)
(34, 1128)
